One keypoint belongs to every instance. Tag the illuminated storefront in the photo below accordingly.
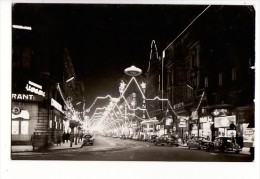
(56, 119)
(25, 109)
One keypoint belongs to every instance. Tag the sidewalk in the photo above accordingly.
(28, 148)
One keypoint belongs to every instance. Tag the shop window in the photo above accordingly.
(24, 127)
(20, 121)
(20, 127)
(15, 127)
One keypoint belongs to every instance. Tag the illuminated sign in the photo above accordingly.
(249, 135)
(26, 97)
(35, 88)
(16, 110)
(224, 121)
(168, 121)
(56, 105)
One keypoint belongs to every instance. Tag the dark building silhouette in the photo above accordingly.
(209, 68)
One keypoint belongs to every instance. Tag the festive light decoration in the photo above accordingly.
(133, 71)
(74, 112)
(151, 53)
(107, 117)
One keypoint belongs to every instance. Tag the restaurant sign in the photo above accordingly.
(26, 97)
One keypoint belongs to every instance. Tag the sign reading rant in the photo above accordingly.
(26, 97)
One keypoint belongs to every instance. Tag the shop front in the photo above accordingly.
(56, 123)
(205, 126)
(225, 126)
(24, 118)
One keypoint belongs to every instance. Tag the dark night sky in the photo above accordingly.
(103, 40)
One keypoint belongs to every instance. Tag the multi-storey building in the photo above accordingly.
(209, 73)
(37, 105)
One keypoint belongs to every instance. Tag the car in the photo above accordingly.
(135, 137)
(123, 136)
(145, 137)
(198, 143)
(224, 144)
(167, 139)
(152, 138)
(88, 139)
(115, 136)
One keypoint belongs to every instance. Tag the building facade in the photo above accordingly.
(210, 79)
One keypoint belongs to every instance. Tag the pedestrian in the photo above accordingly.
(67, 136)
(71, 138)
(58, 139)
(63, 137)
(81, 136)
(33, 137)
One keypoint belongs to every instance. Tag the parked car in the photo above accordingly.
(224, 144)
(167, 139)
(88, 139)
(198, 143)
(135, 137)
(115, 136)
(146, 137)
(123, 136)
(152, 138)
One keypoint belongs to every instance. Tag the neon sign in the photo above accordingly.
(35, 88)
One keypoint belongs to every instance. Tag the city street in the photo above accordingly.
(133, 82)
(115, 149)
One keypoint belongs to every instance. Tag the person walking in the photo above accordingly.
(71, 139)
(33, 137)
(58, 139)
(63, 137)
(67, 137)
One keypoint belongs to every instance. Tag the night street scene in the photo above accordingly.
(133, 82)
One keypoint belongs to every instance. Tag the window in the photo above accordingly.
(189, 93)
(20, 122)
(15, 127)
(220, 79)
(234, 74)
(20, 127)
(206, 82)
(50, 124)
(24, 127)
